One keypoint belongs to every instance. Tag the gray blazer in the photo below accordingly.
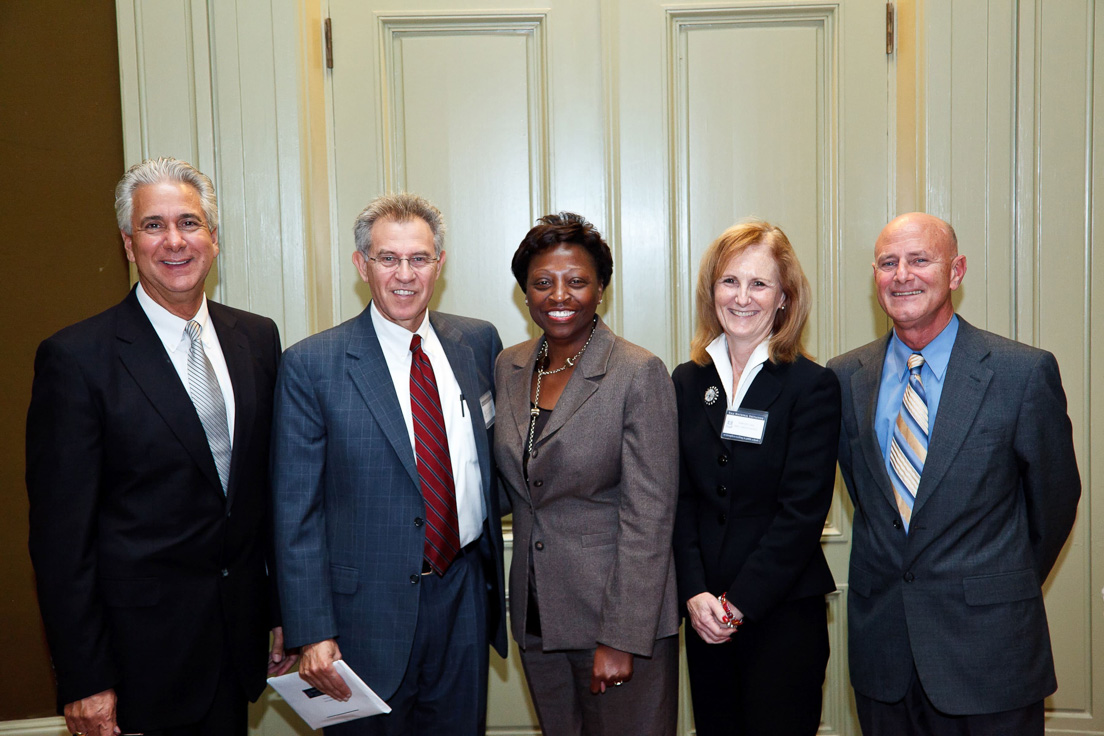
(960, 594)
(599, 507)
(348, 504)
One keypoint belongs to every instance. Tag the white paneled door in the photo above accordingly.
(663, 123)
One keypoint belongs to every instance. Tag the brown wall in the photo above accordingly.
(61, 152)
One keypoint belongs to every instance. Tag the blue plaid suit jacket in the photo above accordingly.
(346, 493)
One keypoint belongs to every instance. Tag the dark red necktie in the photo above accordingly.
(434, 464)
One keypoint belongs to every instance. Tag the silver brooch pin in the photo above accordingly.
(711, 395)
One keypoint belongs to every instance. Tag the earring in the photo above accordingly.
(527, 302)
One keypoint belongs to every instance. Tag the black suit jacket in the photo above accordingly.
(750, 516)
(145, 571)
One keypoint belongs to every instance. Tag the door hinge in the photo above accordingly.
(327, 32)
(889, 28)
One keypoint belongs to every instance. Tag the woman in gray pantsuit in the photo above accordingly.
(586, 445)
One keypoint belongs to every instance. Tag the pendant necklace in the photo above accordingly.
(541, 373)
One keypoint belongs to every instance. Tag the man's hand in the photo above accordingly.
(92, 716)
(279, 661)
(708, 617)
(316, 667)
(612, 668)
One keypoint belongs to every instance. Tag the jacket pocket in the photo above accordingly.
(985, 590)
(130, 592)
(599, 540)
(859, 582)
(344, 579)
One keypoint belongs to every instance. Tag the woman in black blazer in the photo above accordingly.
(758, 430)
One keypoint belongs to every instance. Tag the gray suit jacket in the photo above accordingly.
(960, 594)
(348, 549)
(599, 507)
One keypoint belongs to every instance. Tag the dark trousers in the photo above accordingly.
(444, 690)
(559, 681)
(915, 715)
(767, 680)
(228, 714)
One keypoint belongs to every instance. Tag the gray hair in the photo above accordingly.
(401, 207)
(157, 171)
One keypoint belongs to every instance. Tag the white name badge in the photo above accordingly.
(745, 425)
(486, 402)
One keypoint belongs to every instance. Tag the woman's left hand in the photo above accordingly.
(612, 667)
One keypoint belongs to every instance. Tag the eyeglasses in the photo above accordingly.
(388, 262)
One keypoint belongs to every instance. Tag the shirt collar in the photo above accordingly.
(168, 326)
(718, 351)
(937, 353)
(395, 339)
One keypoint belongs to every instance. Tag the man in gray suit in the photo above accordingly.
(389, 544)
(958, 455)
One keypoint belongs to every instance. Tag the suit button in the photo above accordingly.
(722, 491)
(533, 453)
(909, 577)
(225, 573)
(896, 523)
(539, 545)
(722, 459)
(721, 518)
(418, 521)
(414, 579)
(538, 483)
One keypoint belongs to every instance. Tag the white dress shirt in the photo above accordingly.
(170, 329)
(395, 342)
(718, 351)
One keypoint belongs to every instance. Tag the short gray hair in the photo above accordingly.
(401, 207)
(157, 171)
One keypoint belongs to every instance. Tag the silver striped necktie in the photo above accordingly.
(203, 388)
(908, 445)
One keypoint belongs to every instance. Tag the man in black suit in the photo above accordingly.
(147, 451)
(958, 455)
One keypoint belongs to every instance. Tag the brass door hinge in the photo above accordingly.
(327, 32)
(889, 28)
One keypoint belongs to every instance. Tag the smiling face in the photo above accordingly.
(746, 297)
(401, 294)
(171, 245)
(563, 291)
(916, 268)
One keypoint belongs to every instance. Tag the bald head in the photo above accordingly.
(929, 228)
(916, 267)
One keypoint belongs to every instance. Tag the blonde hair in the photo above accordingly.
(786, 342)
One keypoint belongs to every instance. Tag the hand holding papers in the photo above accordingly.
(319, 709)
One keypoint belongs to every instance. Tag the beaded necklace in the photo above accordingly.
(541, 373)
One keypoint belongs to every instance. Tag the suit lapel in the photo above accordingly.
(368, 372)
(143, 355)
(706, 378)
(764, 389)
(236, 353)
(518, 390)
(462, 361)
(583, 382)
(865, 384)
(964, 386)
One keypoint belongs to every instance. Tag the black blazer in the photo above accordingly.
(145, 571)
(750, 516)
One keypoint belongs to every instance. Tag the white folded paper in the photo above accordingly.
(319, 709)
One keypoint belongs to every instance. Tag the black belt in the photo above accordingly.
(466, 549)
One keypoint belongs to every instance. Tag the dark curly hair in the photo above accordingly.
(564, 227)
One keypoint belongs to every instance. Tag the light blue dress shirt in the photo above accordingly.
(937, 354)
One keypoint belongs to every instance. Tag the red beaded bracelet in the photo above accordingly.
(729, 621)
